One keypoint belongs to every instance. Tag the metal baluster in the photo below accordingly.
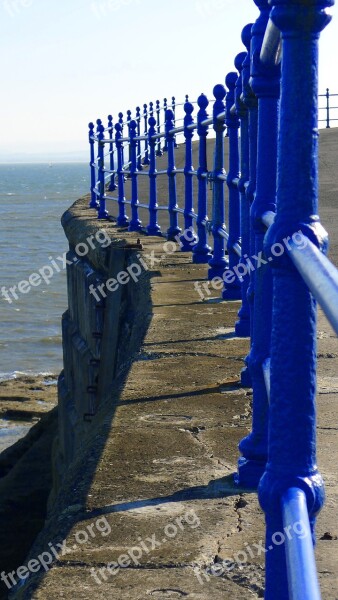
(242, 327)
(122, 219)
(202, 251)
(146, 147)
(292, 421)
(265, 84)
(174, 230)
(139, 145)
(153, 227)
(232, 288)
(135, 223)
(103, 213)
(112, 185)
(218, 263)
(93, 201)
(189, 238)
(158, 121)
(165, 108)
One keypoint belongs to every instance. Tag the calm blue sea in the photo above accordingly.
(32, 200)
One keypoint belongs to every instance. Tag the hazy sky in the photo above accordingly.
(66, 62)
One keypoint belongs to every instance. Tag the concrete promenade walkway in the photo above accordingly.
(161, 507)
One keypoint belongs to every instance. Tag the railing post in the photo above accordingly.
(232, 289)
(93, 201)
(173, 108)
(242, 327)
(153, 228)
(292, 420)
(135, 223)
(112, 185)
(174, 230)
(327, 108)
(251, 102)
(202, 251)
(122, 219)
(165, 108)
(265, 83)
(158, 122)
(128, 125)
(103, 213)
(122, 127)
(218, 263)
(146, 147)
(139, 145)
(188, 241)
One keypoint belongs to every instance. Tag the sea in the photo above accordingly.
(33, 198)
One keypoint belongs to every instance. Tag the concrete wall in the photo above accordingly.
(100, 334)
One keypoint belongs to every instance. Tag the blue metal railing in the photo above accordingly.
(272, 257)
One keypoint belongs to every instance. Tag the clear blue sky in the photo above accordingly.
(66, 62)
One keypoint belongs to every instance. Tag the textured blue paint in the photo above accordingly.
(218, 263)
(173, 230)
(188, 240)
(232, 288)
(146, 160)
(158, 124)
(265, 83)
(103, 213)
(122, 127)
(112, 185)
(242, 327)
(122, 219)
(93, 199)
(251, 102)
(292, 420)
(139, 145)
(165, 108)
(135, 223)
(153, 228)
(202, 251)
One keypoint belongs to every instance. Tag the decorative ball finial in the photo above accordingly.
(188, 108)
(98, 122)
(203, 101)
(240, 58)
(152, 121)
(246, 35)
(219, 91)
(231, 79)
(118, 127)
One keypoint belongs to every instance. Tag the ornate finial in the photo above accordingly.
(110, 118)
(187, 98)
(202, 102)
(132, 125)
(230, 80)
(145, 106)
(128, 115)
(151, 108)
(91, 126)
(246, 36)
(219, 91)
(188, 108)
(240, 58)
(152, 125)
(158, 105)
(169, 115)
(138, 112)
(98, 123)
(118, 127)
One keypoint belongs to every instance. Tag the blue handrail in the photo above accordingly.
(300, 559)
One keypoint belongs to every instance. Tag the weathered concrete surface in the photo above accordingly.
(168, 447)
